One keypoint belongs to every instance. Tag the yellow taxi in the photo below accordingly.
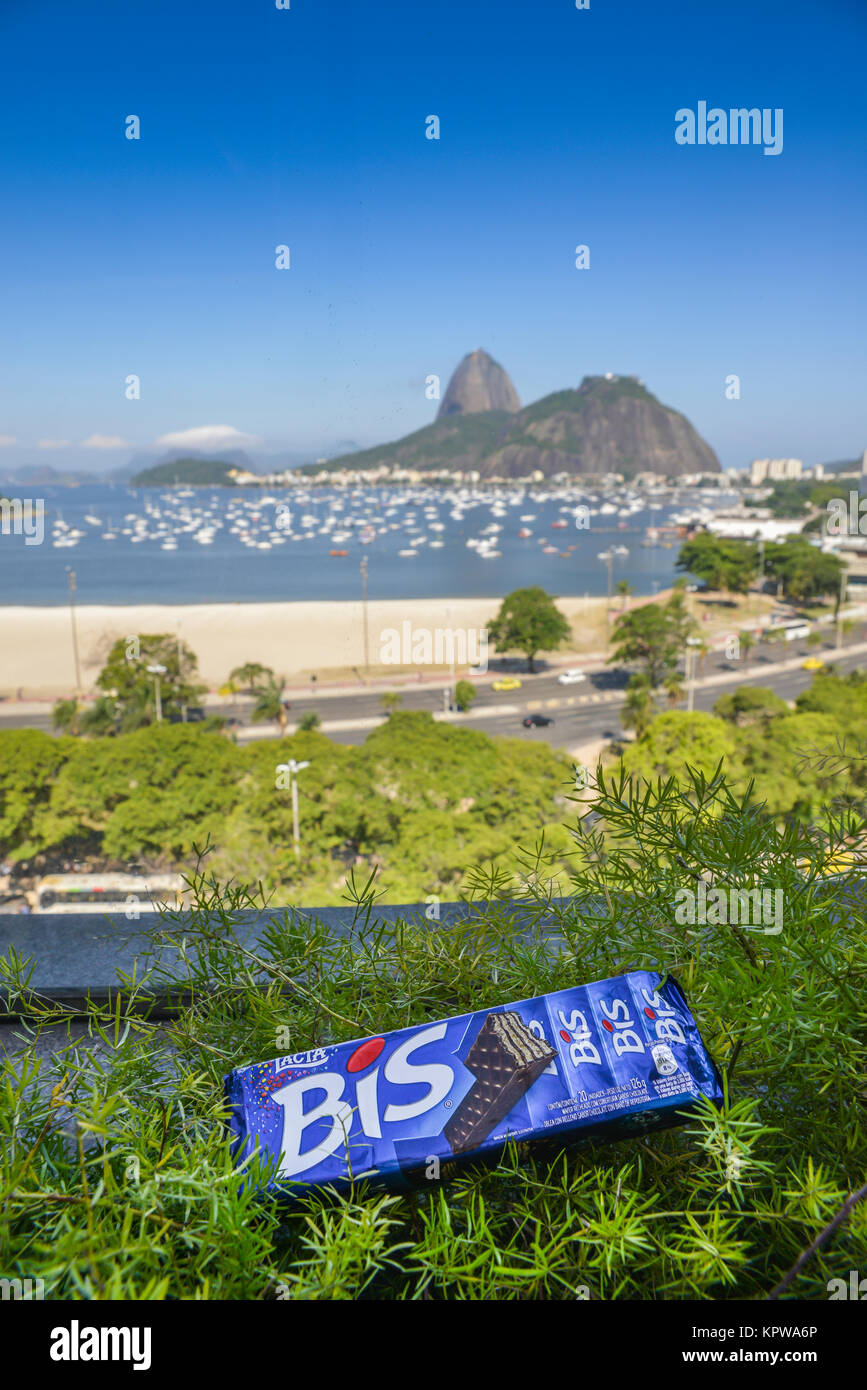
(507, 683)
(813, 663)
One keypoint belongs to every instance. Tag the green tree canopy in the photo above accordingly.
(676, 741)
(130, 687)
(721, 563)
(749, 703)
(802, 571)
(652, 637)
(465, 694)
(530, 622)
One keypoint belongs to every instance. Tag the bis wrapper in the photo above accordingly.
(611, 1058)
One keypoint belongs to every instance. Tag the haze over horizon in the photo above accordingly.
(306, 127)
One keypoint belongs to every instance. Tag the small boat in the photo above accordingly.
(524, 533)
(407, 552)
(339, 552)
(558, 524)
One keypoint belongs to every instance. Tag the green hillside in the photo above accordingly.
(186, 472)
(607, 424)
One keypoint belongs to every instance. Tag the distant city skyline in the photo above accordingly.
(154, 258)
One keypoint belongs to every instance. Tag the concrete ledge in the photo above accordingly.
(87, 956)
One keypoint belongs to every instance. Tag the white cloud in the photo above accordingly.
(104, 441)
(208, 437)
(53, 444)
(7, 439)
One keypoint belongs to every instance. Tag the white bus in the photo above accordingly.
(119, 893)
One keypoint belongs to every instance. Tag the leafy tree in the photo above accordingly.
(29, 761)
(723, 564)
(652, 636)
(843, 696)
(100, 718)
(777, 754)
(252, 676)
(465, 694)
(530, 622)
(814, 639)
(802, 571)
(749, 703)
(676, 741)
(309, 720)
(130, 687)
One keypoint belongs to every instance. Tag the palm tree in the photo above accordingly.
(638, 708)
(270, 706)
(747, 642)
(65, 716)
(673, 687)
(389, 699)
(624, 588)
(252, 675)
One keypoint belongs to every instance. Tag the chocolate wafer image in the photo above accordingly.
(505, 1059)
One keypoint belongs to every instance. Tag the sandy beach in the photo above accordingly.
(295, 639)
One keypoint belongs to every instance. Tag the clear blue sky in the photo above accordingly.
(307, 127)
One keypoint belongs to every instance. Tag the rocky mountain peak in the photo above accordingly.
(478, 384)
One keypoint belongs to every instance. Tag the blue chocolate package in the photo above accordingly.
(615, 1057)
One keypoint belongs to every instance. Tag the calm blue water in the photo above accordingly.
(124, 570)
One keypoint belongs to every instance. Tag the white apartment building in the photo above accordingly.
(773, 470)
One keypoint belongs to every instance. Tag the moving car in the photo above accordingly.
(507, 683)
(571, 677)
(536, 721)
(813, 663)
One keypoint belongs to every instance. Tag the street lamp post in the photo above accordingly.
(71, 574)
(691, 644)
(839, 638)
(293, 768)
(761, 583)
(608, 557)
(156, 671)
(364, 615)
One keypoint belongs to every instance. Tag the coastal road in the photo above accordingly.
(582, 713)
(579, 724)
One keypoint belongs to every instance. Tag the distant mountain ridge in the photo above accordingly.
(609, 424)
(189, 472)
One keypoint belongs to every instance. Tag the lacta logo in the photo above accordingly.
(301, 1059)
(575, 1030)
(337, 1108)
